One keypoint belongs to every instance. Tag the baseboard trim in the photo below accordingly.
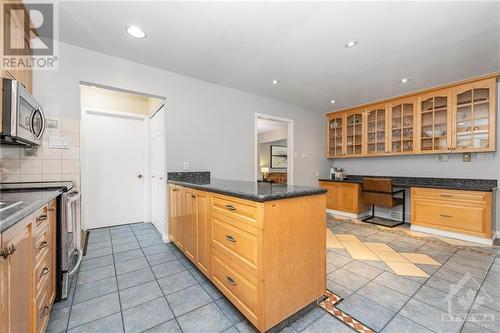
(346, 214)
(165, 238)
(474, 239)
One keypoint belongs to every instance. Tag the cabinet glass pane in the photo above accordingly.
(402, 127)
(434, 122)
(376, 131)
(336, 136)
(354, 134)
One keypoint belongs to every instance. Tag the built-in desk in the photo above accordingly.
(453, 207)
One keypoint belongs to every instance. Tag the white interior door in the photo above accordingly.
(158, 171)
(115, 158)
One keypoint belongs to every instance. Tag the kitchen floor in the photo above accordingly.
(391, 280)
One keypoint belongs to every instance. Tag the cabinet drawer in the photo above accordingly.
(42, 312)
(42, 242)
(42, 273)
(244, 211)
(451, 195)
(41, 220)
(236, 285)
(450, 216)
(239, 245)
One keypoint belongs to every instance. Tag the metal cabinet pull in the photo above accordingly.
(44, 272)
(231, 238)
(446, 195)
(193, 196)
(444, 215)
(230, 207)
(41, 218)
(42, 245)
(230, 280)
(45, 311)
(8, 251)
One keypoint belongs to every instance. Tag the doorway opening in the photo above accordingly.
(116, 157)
(273, 149)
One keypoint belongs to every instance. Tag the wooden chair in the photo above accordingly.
(380, 192)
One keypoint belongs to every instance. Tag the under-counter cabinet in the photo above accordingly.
(28, 272)
(260, 253)
(342, 197)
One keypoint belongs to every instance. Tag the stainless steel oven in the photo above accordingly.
(23, 121)
(70, 249)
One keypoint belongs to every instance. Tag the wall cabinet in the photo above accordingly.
(455, 119)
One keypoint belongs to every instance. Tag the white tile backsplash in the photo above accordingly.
(70, 125)
(73, 153)
(70, 166)
(51, 166)
(50, 153)
(31, 178)
(31, 167)
(9, 152)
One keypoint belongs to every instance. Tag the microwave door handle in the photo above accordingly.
(31, 123)
(32, 126)
(42, 117)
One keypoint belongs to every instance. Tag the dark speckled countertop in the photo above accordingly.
(248, 190)
(28, 197)
(445, 183)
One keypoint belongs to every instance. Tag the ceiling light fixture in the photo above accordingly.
(350, 44)
(404, 80)
(276, 82)
(332, 101)
(135, 32)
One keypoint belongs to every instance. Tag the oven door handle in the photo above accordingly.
(78, 262)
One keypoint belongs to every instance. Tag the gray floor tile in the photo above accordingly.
(400, 324)
(382, 237)
(378, 264)
(387, 297)
(198, 276)
(98, 245)
(473, 328)
(109, 324)
(124, 239)
(150, 242)
(362, 269)
(493, 277)
(96, 274)
(246, 327)
(155, 249)
(338, 259)
(346, 278)
(170, 326)
(125, 247)
(66, 302)
(398, 283)
(495, 268)
(307, 319)
(208, 318)
(461, 268)
(139, 294)
(95, 289)
(96, 263)
(338, 289)
(468, 285)
(128, 255)
(58, 320)
(230, 310)
(188, 299)
(445, 301)
(328, 324)
(214, 293)
(485, 317)
(93, 309)
(187, 263)
(131, 265)
(93, 238)
(147, 315)
(168, 268)
(430, 317)
(98, 252)
(173, 283)
(135, 278)
(160, 258)
(370, 313)
(489, 296)
(406, 245)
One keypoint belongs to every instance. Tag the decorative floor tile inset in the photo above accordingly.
(329, 305)
(332, 241)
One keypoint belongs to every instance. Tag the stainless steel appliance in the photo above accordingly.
(23, 121)
(70, 240)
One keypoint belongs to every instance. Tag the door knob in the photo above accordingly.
(139, 176)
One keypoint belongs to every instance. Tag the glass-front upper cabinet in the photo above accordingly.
(376, 120)
(402, 124)
(336, 126)
(474, 116)
(354, 131)
(434, 111)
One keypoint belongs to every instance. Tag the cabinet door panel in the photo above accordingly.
(203, 232)
(189, 223)
(336, 143)
(354, 134)
(376, 130)
(435, 121)
(401, 126)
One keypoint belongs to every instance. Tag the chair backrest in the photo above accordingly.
(378, 191)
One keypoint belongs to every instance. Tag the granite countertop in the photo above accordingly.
(254, 191)
(28, 198)
(487, 185)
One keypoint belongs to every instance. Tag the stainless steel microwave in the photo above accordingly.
(23, 121)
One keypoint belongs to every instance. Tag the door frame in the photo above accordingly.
(290, 142)
(83, 162)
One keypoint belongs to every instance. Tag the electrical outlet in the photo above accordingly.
(467, 157)
(484, 156)
(186, 166)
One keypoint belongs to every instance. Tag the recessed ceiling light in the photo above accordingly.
(404, 80)
(332, 101)
(351, 43)
(276, 82)
(135, 31)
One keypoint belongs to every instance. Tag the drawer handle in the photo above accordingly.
(51, 209)
(193, 196)
(41, 218)
(444, 215)
(45, 311)
(230, 207)
(446, 195)
(231, 238)
(42, 245)
(8, 251)
(230, 280)
(44, 272)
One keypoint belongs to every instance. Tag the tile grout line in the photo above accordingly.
(116, 279)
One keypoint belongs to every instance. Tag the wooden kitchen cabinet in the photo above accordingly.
(401, 126)
(203, 232)
(376, 125)
(355, 133)
(434, 121)
(344, 197)
(175, 215)
(336, 138)
(189, 220)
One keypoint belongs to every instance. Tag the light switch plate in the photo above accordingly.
(57, 142)
(442, 158)
(484, 156)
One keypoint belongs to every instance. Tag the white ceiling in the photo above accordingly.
(245, 45)
(268, 125)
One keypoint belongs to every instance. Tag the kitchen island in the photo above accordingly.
(262, 245)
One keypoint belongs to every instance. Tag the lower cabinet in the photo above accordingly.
(345, 197)
(257, 254)
(28, 272)
(465, 212)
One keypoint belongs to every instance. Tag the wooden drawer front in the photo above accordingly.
(449, 216)
(239, 245)
(42, 242)
(41, 219)
(42, 312)
(451, 195)
(236, 285)
(242, 210)
(42, 273)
